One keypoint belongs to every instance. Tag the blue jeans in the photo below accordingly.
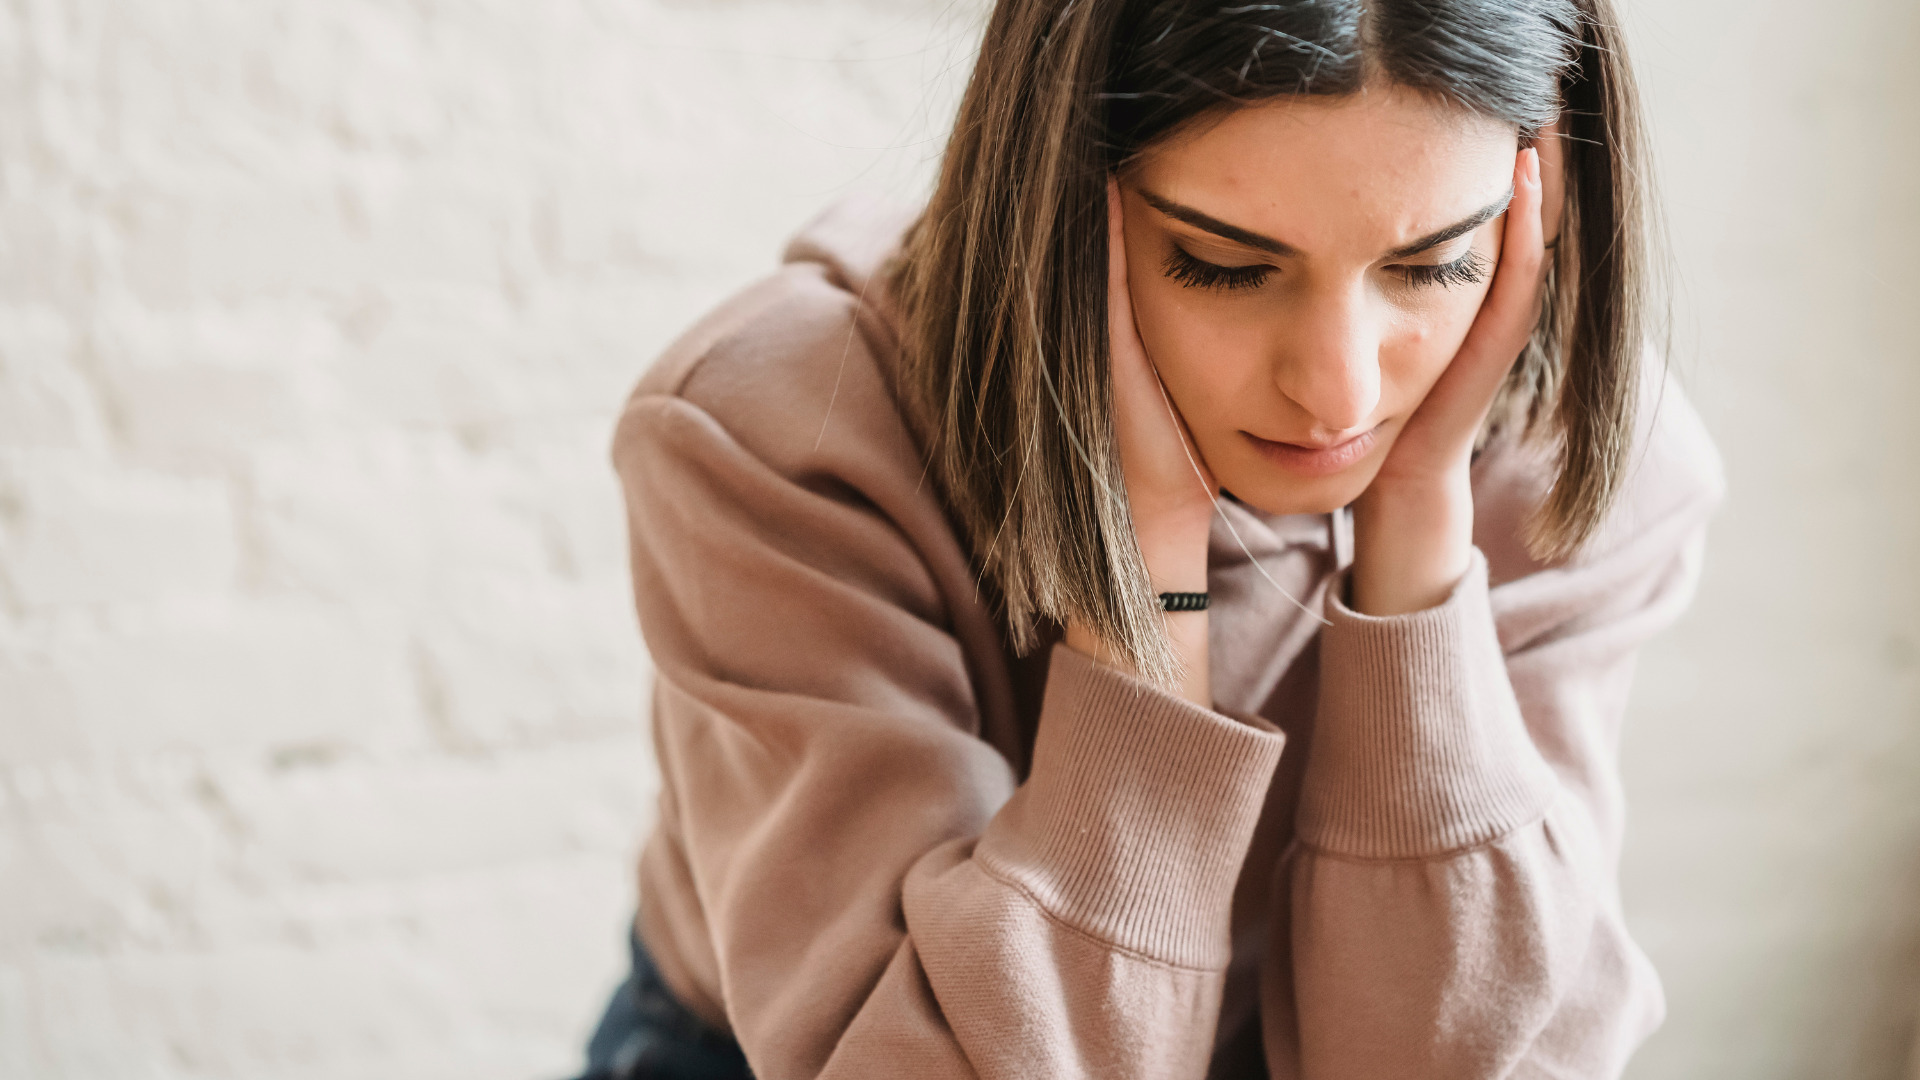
(646, 1034)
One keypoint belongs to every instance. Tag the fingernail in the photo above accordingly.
(1533, 166)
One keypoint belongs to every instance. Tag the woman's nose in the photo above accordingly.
(1330, 364)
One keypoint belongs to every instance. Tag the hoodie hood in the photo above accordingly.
(854, 239)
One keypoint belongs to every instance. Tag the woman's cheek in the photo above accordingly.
(1173, 330)
(1426, 344)
(1200, 350)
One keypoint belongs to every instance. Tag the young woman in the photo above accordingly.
(1167, 611)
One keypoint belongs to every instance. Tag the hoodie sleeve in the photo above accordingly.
(845, 874)
(1451, 904)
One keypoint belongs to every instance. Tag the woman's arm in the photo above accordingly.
(845, 868)
(1452, 907)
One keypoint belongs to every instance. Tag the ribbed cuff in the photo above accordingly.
(1419, 748)
(1135, 819)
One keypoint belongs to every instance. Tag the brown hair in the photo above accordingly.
(1002, 279)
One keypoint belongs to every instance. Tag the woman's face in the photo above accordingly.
(1303, 270)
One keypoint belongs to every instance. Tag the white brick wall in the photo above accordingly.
(321, 733)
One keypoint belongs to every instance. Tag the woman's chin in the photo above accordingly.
(1272, 492)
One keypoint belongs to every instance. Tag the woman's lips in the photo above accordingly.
(1314, 460)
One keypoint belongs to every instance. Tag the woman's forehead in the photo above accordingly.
(1371, 170)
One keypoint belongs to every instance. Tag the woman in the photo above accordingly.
(1168, 611)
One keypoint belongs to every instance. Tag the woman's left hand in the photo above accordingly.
(1413, 526)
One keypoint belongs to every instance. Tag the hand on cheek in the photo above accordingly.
(1414, 523)
(1169, 490)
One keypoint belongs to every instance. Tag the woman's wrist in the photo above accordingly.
(1186, 632)
(1174, 547)
(1175, 551)
(1411, 546)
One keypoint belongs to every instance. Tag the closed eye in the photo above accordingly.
(1469, 269)
(1199, 274)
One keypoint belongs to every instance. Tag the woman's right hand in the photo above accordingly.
(1169, 488)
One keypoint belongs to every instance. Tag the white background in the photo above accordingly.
(322, 748)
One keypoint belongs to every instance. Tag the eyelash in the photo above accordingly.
(1469, 269)
(1198, 274)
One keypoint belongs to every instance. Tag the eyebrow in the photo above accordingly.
(1268, 244)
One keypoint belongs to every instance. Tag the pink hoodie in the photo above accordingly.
(889, 847)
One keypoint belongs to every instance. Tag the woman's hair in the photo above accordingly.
(1003, 279)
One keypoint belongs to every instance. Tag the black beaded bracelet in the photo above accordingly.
(1183, 601)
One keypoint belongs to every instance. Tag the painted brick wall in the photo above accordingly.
(320, 691)
(322, 745)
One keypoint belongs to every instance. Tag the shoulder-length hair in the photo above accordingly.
(1002, 281)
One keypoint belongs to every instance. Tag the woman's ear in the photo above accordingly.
(1553, 181)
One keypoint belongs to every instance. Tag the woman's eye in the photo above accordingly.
(1468, 269)
(1198, 274)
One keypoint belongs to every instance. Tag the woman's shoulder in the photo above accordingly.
(804, 353)
(1672, 483)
